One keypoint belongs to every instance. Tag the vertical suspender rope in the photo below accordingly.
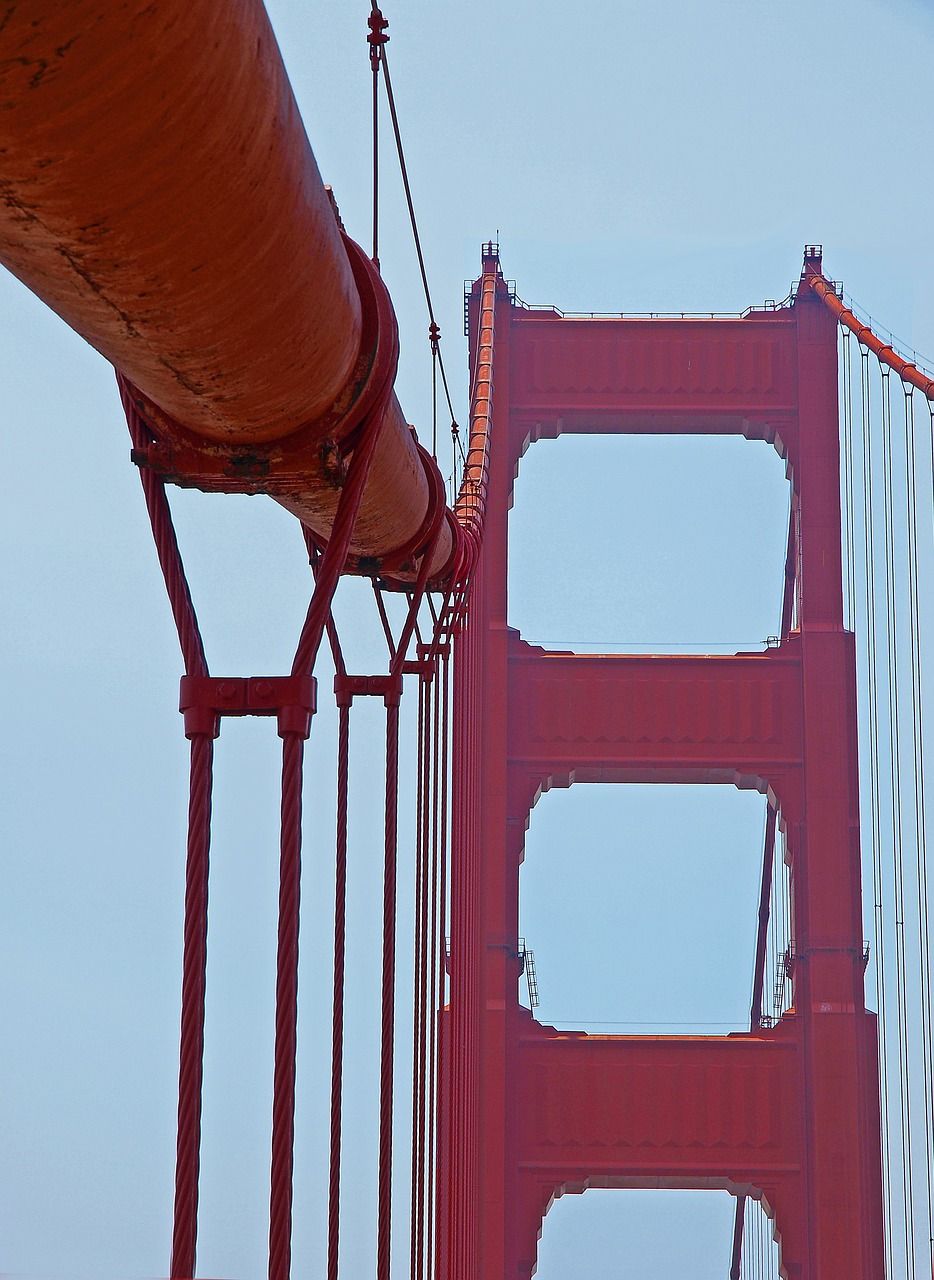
(875, 787)
(392, 699)
(419, 968)
(439, 951)
(432, 929)
(376, 39)
(920, 822)
(847, 380)
(904, 1074)
(283, 1122)
(319, 611)
(384, 1190)
(755, 1006)
(201, 732)
(337, 1014)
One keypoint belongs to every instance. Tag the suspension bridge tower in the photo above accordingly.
(787, 1114)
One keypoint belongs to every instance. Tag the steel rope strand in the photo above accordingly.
(163, 530)
(327, 575)
(191, 1050)
(917, 718)
(875, 790)
(755, 1004)
(847, 371)
(427, 955)
(431, 993)
(194, 947)
(283, 1110)
(904, 1078)
(334, 558)
(421, 810)
(344, 702)
(375, 40)
(337, 1006)
(384, 1187)
(434, 330)
(438, 999)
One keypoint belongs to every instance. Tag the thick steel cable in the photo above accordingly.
(331, 565)
(283, 1109)
(337, 1007)
(384, 1177)
(340, 933)
(887, 355)
(439, 953)
(163, 531)
(920, 820)
(418, 968)
(875, 790)
(904, 1065)
(327, 574)
(432, 932)
(191, 1051)
(194, 948)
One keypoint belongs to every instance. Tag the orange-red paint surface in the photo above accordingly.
(788, 1114)
(159, 192)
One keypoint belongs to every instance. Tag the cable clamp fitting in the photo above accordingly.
(389, 688)
(204, 700)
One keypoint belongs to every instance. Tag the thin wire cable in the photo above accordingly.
(375, 39)
(904, 1061)
(390, 97)
(920, 822)
(875, 789)
(848, 477)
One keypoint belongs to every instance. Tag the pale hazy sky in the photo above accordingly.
(630, 156)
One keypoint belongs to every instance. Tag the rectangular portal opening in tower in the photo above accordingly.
(639, 903)
(642, 543)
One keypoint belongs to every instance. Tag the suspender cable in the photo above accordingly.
(283, 1121)
(201, 731)
(420, 971)
(437, 852)
(344, 702)
(317, 618)
(904, 1071)
(920, 823)
(376, 40)
(384, 1191)
(337, 1013)
(439, 969)
(875, 785)
(848, 487)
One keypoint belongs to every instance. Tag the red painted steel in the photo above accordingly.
(906, 369)
(160, 194)
(789, 1114)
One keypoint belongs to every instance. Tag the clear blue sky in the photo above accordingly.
(671, 156)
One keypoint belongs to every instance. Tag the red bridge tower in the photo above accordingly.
(787, 1114)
